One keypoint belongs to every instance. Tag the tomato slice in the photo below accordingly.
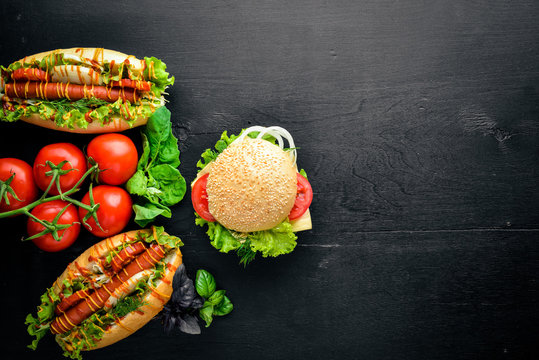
(304, 198)
(199, 198)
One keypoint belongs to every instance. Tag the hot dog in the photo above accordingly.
(84, 90)
(110, 291)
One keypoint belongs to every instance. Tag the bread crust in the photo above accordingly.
(154, 301)
(116, 124)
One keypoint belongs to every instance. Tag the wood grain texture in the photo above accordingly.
(418, 125)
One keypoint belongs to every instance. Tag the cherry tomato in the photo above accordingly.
(199, 198)
(56, 153)
(304, 198)
(116, 156)
(22, 184)
(48, 211)
(114, 210)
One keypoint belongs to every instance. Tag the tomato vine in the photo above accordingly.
(53, 227)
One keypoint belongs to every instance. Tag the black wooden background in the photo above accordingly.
(418, 123)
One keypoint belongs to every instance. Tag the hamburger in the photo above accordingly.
(250, 194)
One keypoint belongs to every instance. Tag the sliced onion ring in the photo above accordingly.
(278, 133)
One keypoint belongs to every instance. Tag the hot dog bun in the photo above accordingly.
(153, 301)
(99, 55)
(116, 124)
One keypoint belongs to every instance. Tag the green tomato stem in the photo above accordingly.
(44, 198)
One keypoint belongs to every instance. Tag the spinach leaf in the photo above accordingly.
(157, 182)
(146, 212)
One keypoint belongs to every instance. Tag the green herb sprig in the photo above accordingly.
(216, 303)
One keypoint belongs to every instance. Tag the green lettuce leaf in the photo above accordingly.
(69, 114)
(155, 72)
(277, 241)
(220, 237)
(36, 329)
(170, 241)
(39, 326)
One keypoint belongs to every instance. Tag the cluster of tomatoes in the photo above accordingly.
(34, 191)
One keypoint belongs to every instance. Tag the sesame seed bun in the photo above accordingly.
(252, 186)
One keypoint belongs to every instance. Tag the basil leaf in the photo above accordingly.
(189, 325)
(206, 313)
(217, 297)
(224, 308)
(205, 283)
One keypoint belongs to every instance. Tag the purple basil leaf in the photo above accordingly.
(189, 325)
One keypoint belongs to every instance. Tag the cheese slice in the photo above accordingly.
(201, 173)
(302, 223)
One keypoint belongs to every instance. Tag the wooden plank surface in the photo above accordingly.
(418, 124)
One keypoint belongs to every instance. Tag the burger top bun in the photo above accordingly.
(252, 186)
